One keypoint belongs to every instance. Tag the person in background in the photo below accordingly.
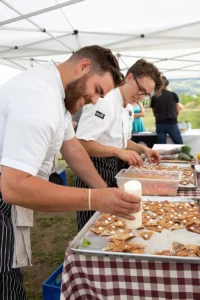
(166, 109)
(35, 124)
(137, 125)
(76, 118)
(105, 130)
(170, 89)
(181, 107)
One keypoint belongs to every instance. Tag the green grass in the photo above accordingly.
(49, 238)
(191, 115)
(46, 222)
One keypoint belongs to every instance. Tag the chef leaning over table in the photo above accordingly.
(35, 124)
(105, 129)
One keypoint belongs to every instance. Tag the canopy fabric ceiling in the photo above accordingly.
(166, 33)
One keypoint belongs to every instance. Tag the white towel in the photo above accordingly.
(22, 220)
(24, 216)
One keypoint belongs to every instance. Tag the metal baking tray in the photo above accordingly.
(188, 187)
(161, 241)
(181, 187)
(177, 161)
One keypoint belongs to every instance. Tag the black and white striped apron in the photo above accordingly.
(107, 167)
(11, 280)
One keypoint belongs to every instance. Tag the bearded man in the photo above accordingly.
(35, 124)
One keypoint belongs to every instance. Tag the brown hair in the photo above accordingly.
(142, 68)
(165, 82)
(102, 61)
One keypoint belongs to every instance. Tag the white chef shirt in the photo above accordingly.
(33, 120)
(107, 122)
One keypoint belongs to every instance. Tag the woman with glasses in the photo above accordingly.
(105, 129)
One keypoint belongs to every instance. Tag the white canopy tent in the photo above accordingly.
(166, 33)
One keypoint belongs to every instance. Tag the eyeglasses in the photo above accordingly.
(141, 91)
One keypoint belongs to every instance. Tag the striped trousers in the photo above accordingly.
(107, 167)
(11, 280)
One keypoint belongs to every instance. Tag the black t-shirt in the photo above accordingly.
(165, 107)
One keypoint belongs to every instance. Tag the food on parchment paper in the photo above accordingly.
(195, 228)
(187, 176)
(123, 246)
(179, 249)
(146, 235)
(156, 217)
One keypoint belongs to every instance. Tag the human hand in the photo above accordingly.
(152, 155)
(116, 202)
(131, 157)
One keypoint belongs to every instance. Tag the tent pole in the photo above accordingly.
(38, 12)
(159, 59)
(33, 30)
(35, 24)
(14, 63)
(5, 54)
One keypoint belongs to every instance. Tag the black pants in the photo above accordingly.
(107, 167)
(171, 129)
(11, 280)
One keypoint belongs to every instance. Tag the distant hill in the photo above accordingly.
(185, 86)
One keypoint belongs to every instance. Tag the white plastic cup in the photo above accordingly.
(134, 187)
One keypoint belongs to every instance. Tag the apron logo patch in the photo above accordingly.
(99, 114)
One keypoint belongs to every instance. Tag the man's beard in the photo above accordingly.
(75, 90)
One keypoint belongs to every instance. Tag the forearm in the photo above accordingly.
(81, 164)
(138, 115)
(95, 149)
(135, 147)
(20, 188)
(38, 194)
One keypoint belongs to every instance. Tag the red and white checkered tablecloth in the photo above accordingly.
(101, 278)
(115, 278)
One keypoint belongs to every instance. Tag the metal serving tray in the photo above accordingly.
(181, 187)
(188, 187)
(161, 241)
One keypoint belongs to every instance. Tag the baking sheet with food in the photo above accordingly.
(188, 180)
(175, 229)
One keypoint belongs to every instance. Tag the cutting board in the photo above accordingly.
(176, 161)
